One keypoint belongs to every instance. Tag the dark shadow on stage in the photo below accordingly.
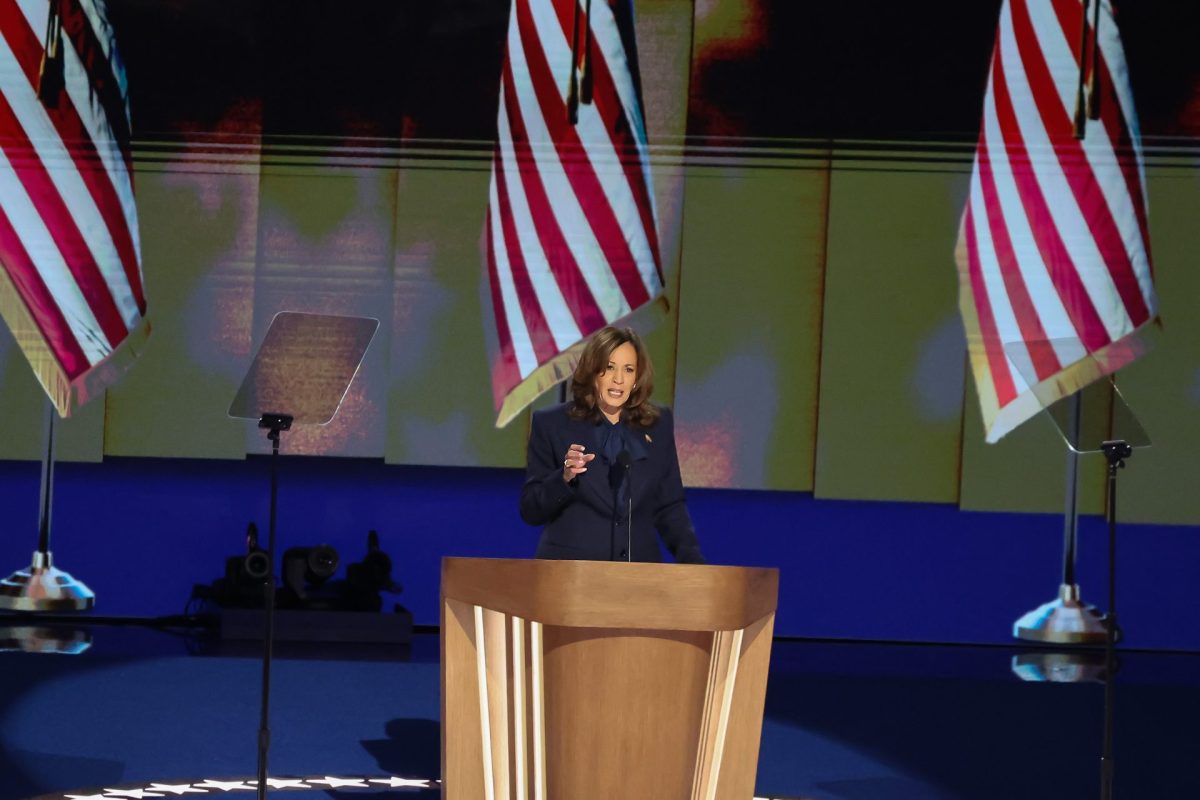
(16, 766)
(412, 749)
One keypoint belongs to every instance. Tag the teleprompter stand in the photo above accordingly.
(1115, 451)
(299, 376)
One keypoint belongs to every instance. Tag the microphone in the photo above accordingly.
(626, 460)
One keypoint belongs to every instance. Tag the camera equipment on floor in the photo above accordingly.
(312, 604)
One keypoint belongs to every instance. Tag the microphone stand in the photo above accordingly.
(629, 527)
(625, 460)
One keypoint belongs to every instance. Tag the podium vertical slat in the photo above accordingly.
(722, 676)
(537, 694)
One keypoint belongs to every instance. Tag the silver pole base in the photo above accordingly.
(1079, 666)
(43, 587)
(1065, 620)
(48, 639)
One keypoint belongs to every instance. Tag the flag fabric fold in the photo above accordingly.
(71, 287)
(1056, 285)
(571, 236)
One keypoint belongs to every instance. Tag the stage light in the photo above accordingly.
(304, 571)
(242, 584)
(257, 563)
(366, 579)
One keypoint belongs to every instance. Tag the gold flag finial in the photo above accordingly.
(1093, 92)
(573, 81)
(50, 75)
(585, 81)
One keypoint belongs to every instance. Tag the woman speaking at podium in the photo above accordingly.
(601, 473)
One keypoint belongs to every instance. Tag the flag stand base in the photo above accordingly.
(1064, 620)
(44, 587)
(1061, 666)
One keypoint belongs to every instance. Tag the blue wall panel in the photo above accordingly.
(141, 532)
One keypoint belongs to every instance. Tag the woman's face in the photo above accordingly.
(615, 382)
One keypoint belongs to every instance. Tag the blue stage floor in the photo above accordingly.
(146, 713)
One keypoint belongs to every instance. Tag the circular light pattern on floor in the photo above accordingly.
(219, 786)
(215, 786)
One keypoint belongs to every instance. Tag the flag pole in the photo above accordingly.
(51, 81)
(1071, 512)
(44, 587)
(1066, 619)
(1080, 120)
(1093, 89)
(573, 80)
(586, 81)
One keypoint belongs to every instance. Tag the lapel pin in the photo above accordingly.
(648, 439)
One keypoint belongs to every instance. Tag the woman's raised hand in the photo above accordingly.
(576, 462)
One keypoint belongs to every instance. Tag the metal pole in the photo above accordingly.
(1080, 118)
(1066, 619)
(47, 489)
(1110, 657)
(1116, 451)
(44, 587)
(1071, 513)
(264, 728)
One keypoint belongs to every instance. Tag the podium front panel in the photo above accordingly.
(540, 711)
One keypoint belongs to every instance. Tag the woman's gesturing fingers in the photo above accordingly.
(575, 462)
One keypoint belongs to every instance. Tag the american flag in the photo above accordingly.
(571, 232)
(71, 285)
(1054, 249)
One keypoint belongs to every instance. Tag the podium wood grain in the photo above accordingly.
(571, 680)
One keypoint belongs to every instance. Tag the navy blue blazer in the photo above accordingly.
(581, 519)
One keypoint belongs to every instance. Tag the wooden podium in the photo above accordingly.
(573, 680)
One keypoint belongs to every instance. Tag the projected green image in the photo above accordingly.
(808, 168)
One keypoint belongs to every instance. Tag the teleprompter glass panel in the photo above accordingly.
(304, 367)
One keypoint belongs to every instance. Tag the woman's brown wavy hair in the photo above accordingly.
(638, 410)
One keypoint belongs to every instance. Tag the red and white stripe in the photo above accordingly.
(1054, 246)
(68, 223)
(571, 231)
